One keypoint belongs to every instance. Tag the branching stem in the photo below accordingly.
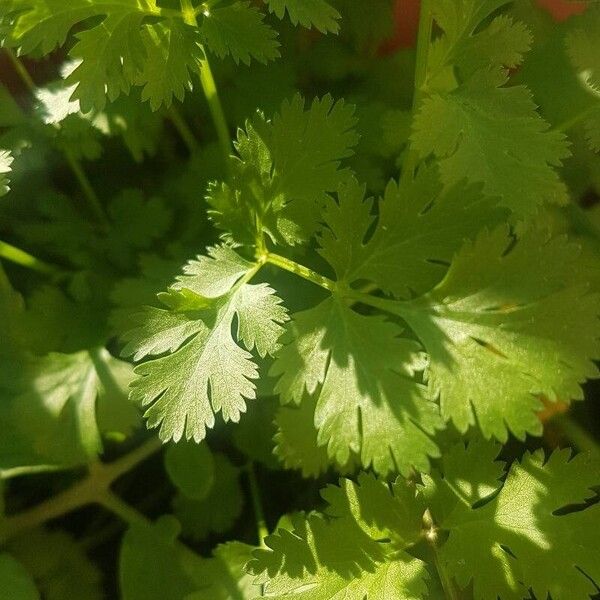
(92, 489)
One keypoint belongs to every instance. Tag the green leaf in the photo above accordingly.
(205, 371)
(198, 517)
(322, 559)
(133, 44)
(517, 542)
(493, 135)
(191, 468)
(66, 395)
(498, 335)
(361, 372)
(175, 571)
(173, 53)
(17, 584)
(308, 13)
(419, 228)
(239, 30)
(472, 41)
(283, 172)
(6, 160)
(225, 577)
(296, 440)
(532, 532)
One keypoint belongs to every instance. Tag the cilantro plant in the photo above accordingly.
(288, 312)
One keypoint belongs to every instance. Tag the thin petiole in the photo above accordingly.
(293, 267)
(24, 259)
(209, 85)
(183, 129)
(261, 524)
(88, 191)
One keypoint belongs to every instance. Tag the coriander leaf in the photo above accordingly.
(493, 135)
(17, 583)
(419, 228)
(205, 371)
(6, 160)
(129, 43)
(309, 13)
(517, 542)
(284, 171)
(191, 468)
(296, 440)
(225, 577)
(67, 396)
(497, 333)
(325, 559)
(198, 517)
(173, 53)
(470, 43)
(239, 30)
(361, 372)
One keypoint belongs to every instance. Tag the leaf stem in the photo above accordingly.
(88, 191)
(124, 511)
(261, 524)
(73, 162)
(209, 86)
(216, 108)
(24, 259)
(183, 129)
(293, 267)
(412, 158)
(430, 533)
(92, 489)
(21, 70)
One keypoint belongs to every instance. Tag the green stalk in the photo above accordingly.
(24, 259)
(21, 70)
(183, 129)
(261, 524)
(293, 267)
(73, 162)
(423, 45)
(209, 86)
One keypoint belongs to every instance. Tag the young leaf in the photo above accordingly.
(284, 170)
(498, 336)
(205, 371)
